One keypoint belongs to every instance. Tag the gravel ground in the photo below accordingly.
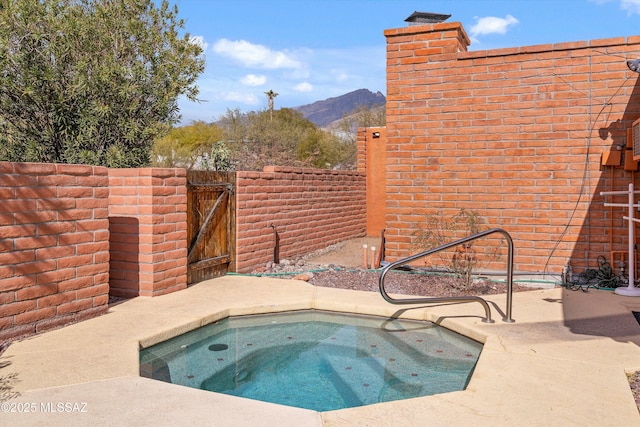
(406, 283)
(634, 382)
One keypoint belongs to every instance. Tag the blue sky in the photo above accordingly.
(310, 50)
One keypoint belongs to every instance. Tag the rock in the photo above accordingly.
(303, 276)
(300, 263)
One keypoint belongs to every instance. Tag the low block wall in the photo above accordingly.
(54, 245)
(308, 209)
(148, 223)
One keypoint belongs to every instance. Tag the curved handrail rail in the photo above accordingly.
(487, 309)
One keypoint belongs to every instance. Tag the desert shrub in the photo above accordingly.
(463, 259)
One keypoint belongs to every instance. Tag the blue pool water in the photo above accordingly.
(316, 360)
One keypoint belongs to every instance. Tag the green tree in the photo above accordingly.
(91, 81)
(361, 117)
(345, 132)
(182, 146)
(257, 139)
(323, 149)
(218, 158)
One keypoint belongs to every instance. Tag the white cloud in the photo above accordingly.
(245, 98)
(199, 40)
(303, 87)
(631, 6)
(255, 55)
(339, 74)
(253, 80)
(492, 25)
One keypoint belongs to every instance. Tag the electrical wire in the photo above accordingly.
(585, 174)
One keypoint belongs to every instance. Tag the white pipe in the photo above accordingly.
(632, 249)
(631, 290)
(373, 257)
(613, 193)
(365, 260)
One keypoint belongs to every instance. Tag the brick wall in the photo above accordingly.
(309, 208)
(515, 134)
(147, 218)
(54, 245)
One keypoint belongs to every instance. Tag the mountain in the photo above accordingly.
(322, 113)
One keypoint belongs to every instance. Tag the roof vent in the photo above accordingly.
(421, 18)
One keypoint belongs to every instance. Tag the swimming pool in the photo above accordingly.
(316, 360)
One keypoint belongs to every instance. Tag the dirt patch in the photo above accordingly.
(347, 254)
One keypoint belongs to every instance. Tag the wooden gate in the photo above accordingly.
(211, 228)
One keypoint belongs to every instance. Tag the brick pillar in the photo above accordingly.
(419, 59)
(147, 218)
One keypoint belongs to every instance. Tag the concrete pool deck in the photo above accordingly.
(562, 363)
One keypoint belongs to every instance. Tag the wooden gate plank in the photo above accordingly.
(204, 228)
(210, 224)
(211, 262)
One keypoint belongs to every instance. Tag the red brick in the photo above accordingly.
(51, 252)
(35, 316)
(101, 300)
(76, 283)
(37, 291)
(7, 297)
(13, 231)
(74, 306)
(17, 282)
(56, 276)
(35, 242)
(93, 291)
(7, 271)
(34, 168)
(17, 308)
(56, 299)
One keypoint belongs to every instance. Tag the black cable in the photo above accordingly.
(603, 277)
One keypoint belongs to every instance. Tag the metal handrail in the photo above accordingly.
(487, 309)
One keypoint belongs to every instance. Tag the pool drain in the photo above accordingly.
(218, 347)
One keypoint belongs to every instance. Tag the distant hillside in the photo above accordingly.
(322, 113)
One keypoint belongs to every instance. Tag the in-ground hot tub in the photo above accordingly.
(316, 360)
